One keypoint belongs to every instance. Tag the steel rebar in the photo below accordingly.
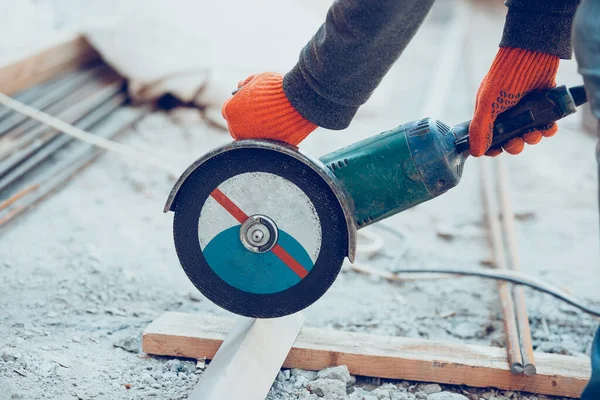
(27, 143)
(58, 176)
(508, 224)
(42, 97)
(513, 344)
(66, 99)
(58, 141)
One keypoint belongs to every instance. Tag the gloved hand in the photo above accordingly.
(261, 110)
(514, 73)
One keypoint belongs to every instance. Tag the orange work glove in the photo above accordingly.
(261, 110)
(514, 73)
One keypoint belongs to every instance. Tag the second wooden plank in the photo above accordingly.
(196, 336)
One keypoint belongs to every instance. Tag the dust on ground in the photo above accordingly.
(90, 268)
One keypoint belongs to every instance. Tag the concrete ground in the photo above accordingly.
(83, 274)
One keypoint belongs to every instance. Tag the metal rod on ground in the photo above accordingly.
(28, 143)
(58, 141)
(67, 98)
(508, 223)
(46, 96)
(513, 346)
(29, 95)
(11, 200)
(26, 96)
(55, 178)
(70, 98)
(89, 138)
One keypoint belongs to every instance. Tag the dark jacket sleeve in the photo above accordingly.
(343, 63)
(540, 25)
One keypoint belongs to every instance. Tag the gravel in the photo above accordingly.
(360, 388)
(83, 274)
(338, 373)
(132, 344)
(328, 388)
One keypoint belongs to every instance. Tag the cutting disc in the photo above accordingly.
(259, 230)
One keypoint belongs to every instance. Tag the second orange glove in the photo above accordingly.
(514, 73)
(261, 110)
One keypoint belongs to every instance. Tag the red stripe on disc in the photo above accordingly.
(289, 261)
(241, 216)
(229, 205)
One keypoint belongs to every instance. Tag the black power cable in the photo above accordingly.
(517, 278)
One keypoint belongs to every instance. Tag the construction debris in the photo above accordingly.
(99, 245)
(33, 162)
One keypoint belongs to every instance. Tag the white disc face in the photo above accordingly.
(269, 195)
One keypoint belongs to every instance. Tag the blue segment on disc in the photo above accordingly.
(260, 273)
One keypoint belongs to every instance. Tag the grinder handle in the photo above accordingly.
(534, 110)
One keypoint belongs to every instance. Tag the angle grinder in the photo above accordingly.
(262, 228)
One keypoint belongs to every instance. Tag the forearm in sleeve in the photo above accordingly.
(345, 61)
(540, 25)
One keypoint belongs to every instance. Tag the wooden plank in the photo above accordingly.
(65, 56)
(247, 362)
(198, 336)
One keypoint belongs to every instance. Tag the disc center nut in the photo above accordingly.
(259, 233)
(257, 236)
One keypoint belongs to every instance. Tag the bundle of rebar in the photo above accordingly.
(35, 159)
(501, 232)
